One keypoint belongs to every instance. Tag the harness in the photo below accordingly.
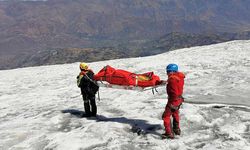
(174, 108)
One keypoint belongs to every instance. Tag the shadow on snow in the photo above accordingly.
(139, 126)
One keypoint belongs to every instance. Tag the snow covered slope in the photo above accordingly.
(39, 105)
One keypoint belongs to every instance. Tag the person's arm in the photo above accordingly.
(79, 78)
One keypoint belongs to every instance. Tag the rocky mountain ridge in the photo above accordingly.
(28, 27)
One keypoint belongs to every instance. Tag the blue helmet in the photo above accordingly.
(172, 68)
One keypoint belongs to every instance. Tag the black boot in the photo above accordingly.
(167, 136)
(176, 129)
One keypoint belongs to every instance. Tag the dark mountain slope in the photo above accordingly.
(27, 27)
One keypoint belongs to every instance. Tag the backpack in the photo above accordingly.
(93, 87)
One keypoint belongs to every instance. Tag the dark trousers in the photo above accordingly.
(89, 104)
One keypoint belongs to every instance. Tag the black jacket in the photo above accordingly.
(85, 80)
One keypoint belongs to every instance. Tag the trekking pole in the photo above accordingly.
(156, 90)
(75, 96)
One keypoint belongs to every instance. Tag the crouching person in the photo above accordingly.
(174, 90)
(88, 90)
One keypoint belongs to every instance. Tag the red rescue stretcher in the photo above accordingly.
(121, 79)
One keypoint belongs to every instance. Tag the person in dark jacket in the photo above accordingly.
(174, 90)
(88, 89)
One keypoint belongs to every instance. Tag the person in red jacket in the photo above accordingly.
(174, 89)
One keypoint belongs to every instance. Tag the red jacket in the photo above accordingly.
(175, 88)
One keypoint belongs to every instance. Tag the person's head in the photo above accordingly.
(171, 68)
(84, 66)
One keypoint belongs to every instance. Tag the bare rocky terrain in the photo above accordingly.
(35, 29)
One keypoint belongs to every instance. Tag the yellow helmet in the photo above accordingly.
(83, 66)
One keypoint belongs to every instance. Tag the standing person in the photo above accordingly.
(174, 90)
(88, 89)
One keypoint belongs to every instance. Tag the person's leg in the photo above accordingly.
(86, 105)
(93, 106)
(167, 123)
(176, 122)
